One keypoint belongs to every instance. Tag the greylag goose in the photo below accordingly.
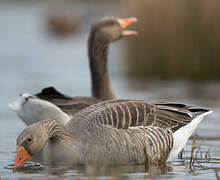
(112, 132)
(102, 33)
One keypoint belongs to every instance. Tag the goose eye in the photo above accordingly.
(29, 140)
(26, 99)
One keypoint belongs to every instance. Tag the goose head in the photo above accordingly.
(109, 29)
(31, 140)
(34, 141)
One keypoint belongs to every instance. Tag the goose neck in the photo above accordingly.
(98, 60)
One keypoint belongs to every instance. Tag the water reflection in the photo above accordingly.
(92, 171)
(121, 172)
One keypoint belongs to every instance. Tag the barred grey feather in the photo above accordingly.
(123, 114)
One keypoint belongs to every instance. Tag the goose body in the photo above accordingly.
(113, 132)
(125, 113)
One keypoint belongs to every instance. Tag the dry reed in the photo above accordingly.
(177, 39)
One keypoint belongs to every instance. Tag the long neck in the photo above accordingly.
(98, 57)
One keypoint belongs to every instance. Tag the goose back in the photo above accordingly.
(125, 113)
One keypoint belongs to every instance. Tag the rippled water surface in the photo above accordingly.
(31, 58)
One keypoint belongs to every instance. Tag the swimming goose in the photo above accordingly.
(112, 132)
(103, 32)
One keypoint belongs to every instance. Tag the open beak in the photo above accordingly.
(124, 23)
(22, 156)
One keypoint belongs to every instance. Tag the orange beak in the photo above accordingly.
(124, 23)
(22, 156)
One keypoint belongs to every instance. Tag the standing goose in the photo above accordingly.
(112, 132)
(102, 33)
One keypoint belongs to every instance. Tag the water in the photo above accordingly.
(31, 58)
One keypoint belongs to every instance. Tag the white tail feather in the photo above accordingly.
(182, 135)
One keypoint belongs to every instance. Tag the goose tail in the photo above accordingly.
(182, 135)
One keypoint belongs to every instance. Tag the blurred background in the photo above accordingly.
(180, 40)
(175, 57)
